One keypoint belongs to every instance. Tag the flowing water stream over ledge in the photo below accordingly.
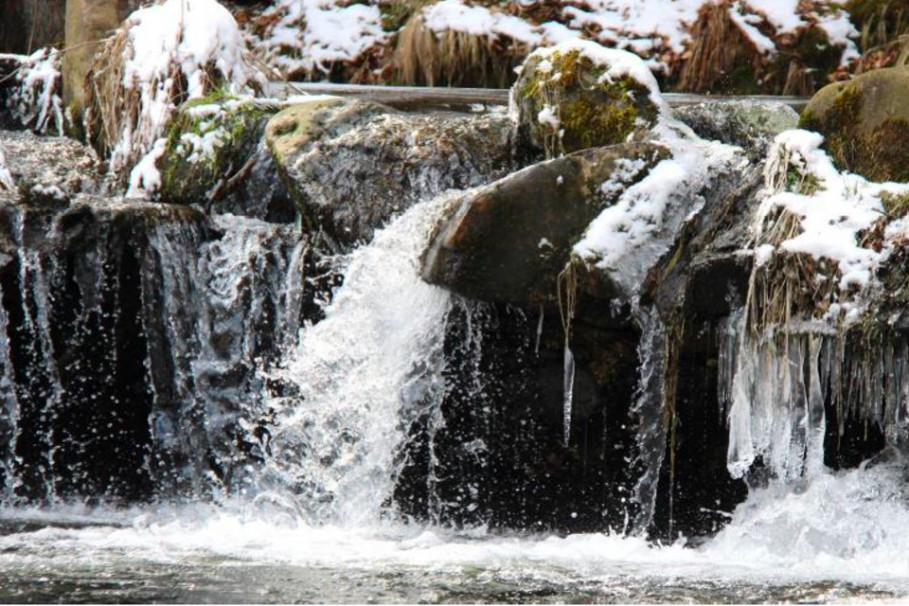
(316, 526)
(314, 424)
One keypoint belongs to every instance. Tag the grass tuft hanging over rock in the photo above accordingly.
(162, 56)
(434, 50)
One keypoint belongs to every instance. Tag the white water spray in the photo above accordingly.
(362, 373)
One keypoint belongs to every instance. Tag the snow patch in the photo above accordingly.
(311, 35)
(831, 218)
(7, 183)
(627, 238)
(191, 36)
(35, 100)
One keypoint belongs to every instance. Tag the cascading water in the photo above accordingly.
(387, 438)
(148, 346)
(648, 408)
(363, 374)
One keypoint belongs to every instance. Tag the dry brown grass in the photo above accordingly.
(109, 106)
(117, 121)
(423, 57)
(799, 81)
(721, 57)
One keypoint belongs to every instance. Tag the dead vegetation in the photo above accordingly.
(124, 118)
(424, 57)
(721, 57)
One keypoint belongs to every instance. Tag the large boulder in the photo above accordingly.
(350, 165)
(866, 123)
(611, 212)
(509, 241)
(579, 94)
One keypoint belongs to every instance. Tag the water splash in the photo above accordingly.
(362, 374)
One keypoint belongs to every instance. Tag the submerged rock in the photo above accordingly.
(865, 122)
(749, 124)
(216, 157)
(509, 241)
(350, 165)
(579, 94)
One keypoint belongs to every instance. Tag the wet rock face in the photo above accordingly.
(567, 102)
(865, 122)
(50, 171)
(349, 166)
(750, 125)
(74, 348)
(691, 275)
(509, 241)
(494, 450)
(132, 335)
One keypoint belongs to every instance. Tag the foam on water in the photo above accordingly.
(843, 528)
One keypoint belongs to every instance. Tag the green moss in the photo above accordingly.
(395, 13)
(839, 125)
(802, 183)
(881, 155)
(590, 111)
(809, 120)
(233, 132)
(886, 154)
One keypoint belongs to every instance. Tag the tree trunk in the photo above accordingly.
(88, 23)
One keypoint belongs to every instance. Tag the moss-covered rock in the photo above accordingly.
(580, 95)
(350, 165)
(865, 123)
(215, 156)
(509, 241)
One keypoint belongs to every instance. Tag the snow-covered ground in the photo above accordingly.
(309, 36)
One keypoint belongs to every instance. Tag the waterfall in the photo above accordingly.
(362, 375)
(133, 339)
(648, 409)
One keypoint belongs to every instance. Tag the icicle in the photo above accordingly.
(567, 288)
(728, 344)
(536, 349)
(816, 417)
(778, 413)
(568, 393)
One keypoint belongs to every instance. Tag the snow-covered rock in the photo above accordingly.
(47, 170)
(163, 54)
(509, 241)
